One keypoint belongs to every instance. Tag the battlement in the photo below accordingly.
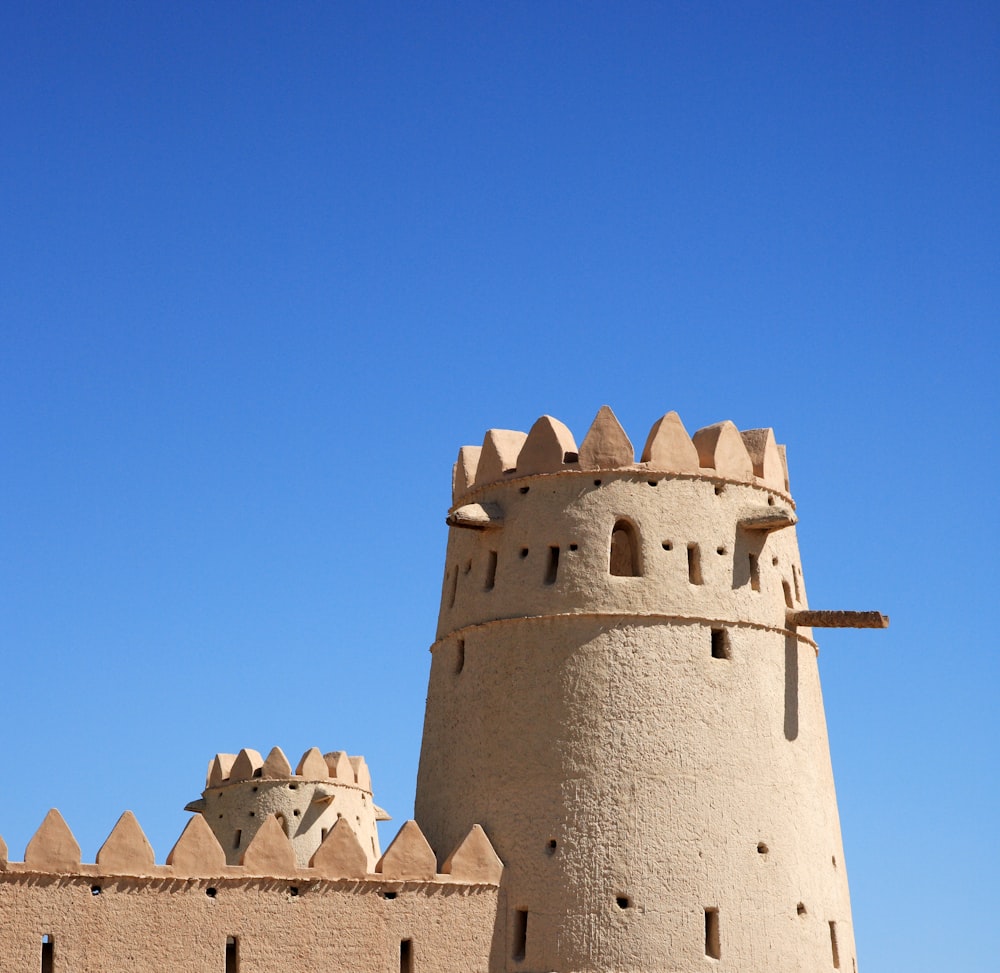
(127, 853)
(248, 764)
(719, 451)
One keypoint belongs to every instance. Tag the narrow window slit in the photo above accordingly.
(48, 953)
(232, 955)
(520, 944)
(795, 579)
(754, 572)
(786, 588)
(491, 571)
(720, 643)
(712, 946)
(453, 587)
(552, 567)
(694, 564)
(237, 837)
(406, 956)
(833, 946)
(460, 661)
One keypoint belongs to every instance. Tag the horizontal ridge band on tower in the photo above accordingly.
(721, 450)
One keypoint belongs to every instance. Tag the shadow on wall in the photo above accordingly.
(791, 687)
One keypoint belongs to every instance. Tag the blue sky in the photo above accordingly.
(264, 267)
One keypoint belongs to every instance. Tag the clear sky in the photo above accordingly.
(264, 267)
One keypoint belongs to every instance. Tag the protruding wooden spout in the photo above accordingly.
(477, 516)
(836, 619)
(768, 518)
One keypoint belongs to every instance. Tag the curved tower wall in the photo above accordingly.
(616, 696)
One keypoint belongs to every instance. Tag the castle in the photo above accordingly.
(624, 766)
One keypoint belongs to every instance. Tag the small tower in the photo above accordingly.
(624, 692)
(243, 790)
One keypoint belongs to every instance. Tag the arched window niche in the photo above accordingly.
(625, 555)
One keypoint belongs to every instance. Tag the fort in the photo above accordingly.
(624, 766)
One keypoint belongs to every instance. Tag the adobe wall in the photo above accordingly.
(125, 914)
(154, 925)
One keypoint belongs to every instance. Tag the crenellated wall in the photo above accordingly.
(127, 914)
(624, 696)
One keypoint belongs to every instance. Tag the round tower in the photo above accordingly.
(243, 790)
(624, 695)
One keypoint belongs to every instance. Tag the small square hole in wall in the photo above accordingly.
(720, 643)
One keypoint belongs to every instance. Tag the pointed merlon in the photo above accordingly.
(606, 445)
(312, 765)
(220, 768)
(127, 851)
(669, 447)
(53, 847)
(836, 619)
(720, 448)
(197, 851)
(767, 519)
(340, 855)
(247, 765)
(474, 860)
(340, 766)
(464, 473)
(270, 852)
(550, 447)
(362, 776)
(765, 456)
(3, 855)
(276, 766)
(477, 516)
(783, 453)
(499, 455)
(409, 857)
